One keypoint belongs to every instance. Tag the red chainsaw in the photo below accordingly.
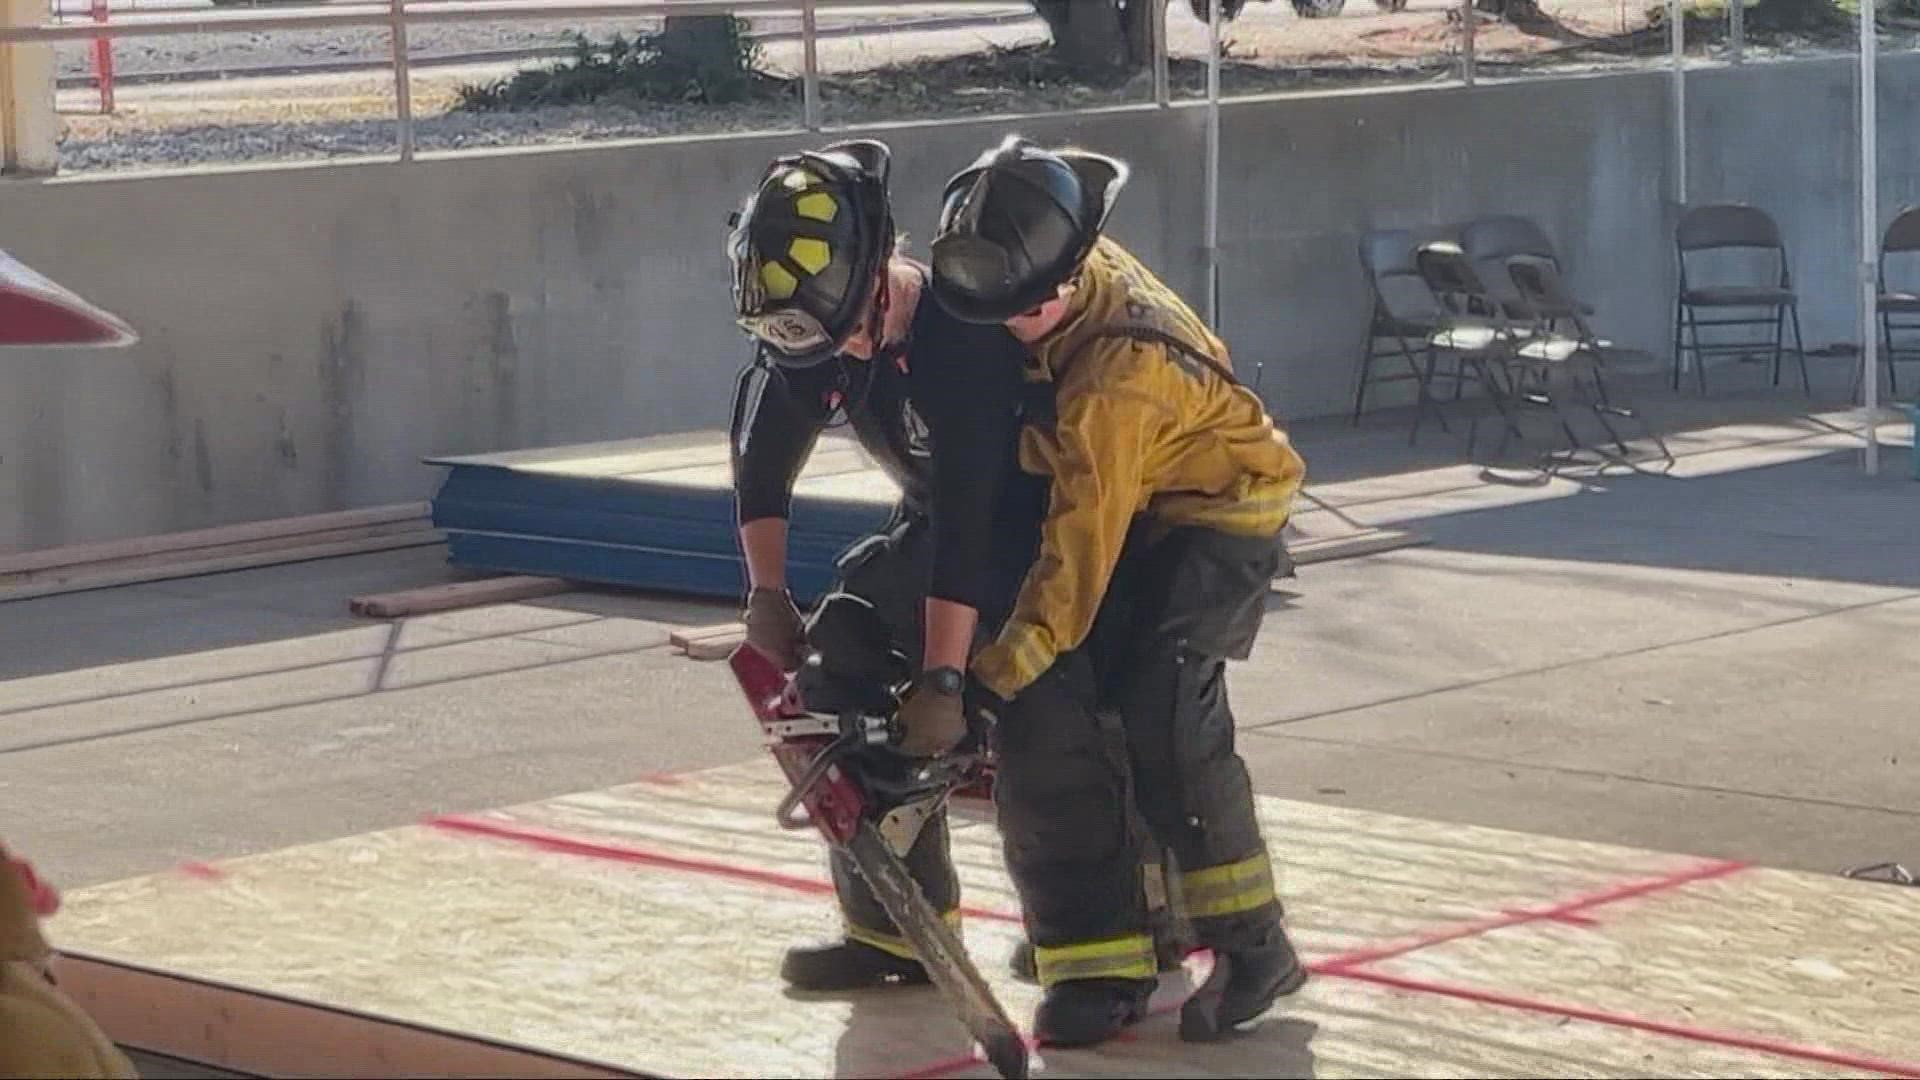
(871, 804)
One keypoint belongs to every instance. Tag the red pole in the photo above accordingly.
(103, 59)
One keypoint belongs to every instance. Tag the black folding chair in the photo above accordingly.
(1476, 329)
(1723, 228)
(1490, 241)
(1406, 315)
(1899, 306)
(1538, 282)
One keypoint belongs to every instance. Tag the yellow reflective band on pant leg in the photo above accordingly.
(1228, 890)
(894, 944)
(1129, 957)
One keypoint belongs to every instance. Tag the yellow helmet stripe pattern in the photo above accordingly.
(809, 253)
(780, 282)
(817, 205)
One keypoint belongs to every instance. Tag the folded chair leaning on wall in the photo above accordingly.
(1476, 329)
(1489, 241)
(1561, 333)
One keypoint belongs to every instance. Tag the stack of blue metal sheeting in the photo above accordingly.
(655, 514)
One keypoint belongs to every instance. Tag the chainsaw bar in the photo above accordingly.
(940, 950)
(836, 804)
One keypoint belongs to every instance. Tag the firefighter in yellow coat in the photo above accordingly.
(1157, 450)
(42, 1032)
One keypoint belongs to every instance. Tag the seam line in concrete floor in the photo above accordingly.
(1602, 774)
(525, 637)
(329, 699)
(387, 651)
(1642, 650)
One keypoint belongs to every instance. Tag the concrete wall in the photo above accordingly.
(311, 333)
(1785, 138)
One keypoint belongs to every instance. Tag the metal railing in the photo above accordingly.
(397, 16)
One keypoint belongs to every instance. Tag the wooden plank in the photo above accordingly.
(715, 642)
(681, 637)
(460, 594)
(266, 1034)
(1354, 545)
(713, 648)
(112, 550)
(135, 575)
(60, 575)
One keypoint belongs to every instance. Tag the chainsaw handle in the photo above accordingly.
(785, 813)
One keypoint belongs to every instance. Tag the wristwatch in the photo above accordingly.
(944, 680)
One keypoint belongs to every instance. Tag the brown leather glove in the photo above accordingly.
(774, 627)
(932, 719)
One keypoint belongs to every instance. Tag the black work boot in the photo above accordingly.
(1026, 968)
(849, 965)
(1082, 1012)
(1243, 984)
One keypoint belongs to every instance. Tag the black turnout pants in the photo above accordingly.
(882, 581)
(1180, 606)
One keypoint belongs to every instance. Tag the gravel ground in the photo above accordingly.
(213, 52)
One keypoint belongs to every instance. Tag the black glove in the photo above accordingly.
(773, 627)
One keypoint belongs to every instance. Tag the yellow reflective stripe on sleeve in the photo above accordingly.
(1129, 957)
(1030, 657)
(1011, 663)
(1246, 885)
(993, 666)
(893, 944)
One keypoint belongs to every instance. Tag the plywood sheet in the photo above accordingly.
(1350, 879)
(651, 940)
(1810, 960)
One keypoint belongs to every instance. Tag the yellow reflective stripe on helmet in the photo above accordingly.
(893, 944)
(1228, 890)
(1129, 957)
(817, 205)
(810, 253)
(780, 282)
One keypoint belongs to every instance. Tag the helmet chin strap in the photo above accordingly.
(877, 317)
(876, 321)
(879, 354)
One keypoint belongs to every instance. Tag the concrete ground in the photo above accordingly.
(1721, 661)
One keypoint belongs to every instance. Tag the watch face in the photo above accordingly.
(945, 680)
